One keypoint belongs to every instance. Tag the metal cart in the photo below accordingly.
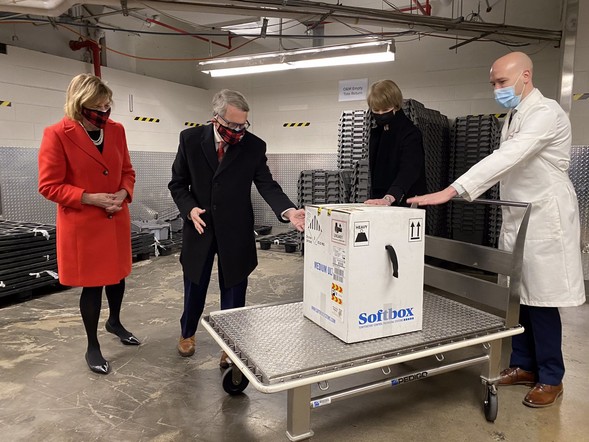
(275, 348)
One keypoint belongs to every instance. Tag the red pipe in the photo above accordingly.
(425, 9)
(182, 31)
(94, 47)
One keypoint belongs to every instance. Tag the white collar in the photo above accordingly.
(218, 138)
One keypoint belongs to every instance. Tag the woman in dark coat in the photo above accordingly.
(396, 155)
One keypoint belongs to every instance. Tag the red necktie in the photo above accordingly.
(221, 151)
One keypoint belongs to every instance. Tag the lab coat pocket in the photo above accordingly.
(544, 221)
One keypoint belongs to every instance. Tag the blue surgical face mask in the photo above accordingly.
(506, 96)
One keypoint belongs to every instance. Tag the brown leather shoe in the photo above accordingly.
(543, 395)
(225, 362)
(186, 346)
(517, 376)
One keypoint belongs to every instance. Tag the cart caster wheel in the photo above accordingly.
(490, 404)
(265, 245)
(231, 386)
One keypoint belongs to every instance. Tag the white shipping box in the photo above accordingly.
(352, 286)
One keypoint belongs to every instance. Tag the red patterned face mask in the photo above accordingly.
(230, 136)
(95, 117)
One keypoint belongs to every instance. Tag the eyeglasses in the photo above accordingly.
(235, 126)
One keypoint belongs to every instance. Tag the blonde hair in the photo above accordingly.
(84, 90)
(383, 95)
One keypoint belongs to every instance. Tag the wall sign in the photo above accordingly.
(353, 90)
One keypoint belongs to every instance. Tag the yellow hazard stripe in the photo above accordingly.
(584, 96)
(305, 124)
(6, 103)
(147, 119)
(188, 123)
(500, 115)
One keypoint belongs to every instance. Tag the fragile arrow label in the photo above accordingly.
(416, 227)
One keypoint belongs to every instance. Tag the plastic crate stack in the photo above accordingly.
(142, 244)
(360, 190)
(473, 138)
(27, 257)
(353, 133)
(320, 186)
(435, 131)
(173, 241)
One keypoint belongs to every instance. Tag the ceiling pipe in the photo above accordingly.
(182, 31)
(76, 45)
(293, 9)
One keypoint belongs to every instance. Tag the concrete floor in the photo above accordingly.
(47, 392)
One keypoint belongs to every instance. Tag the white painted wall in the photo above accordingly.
(35, 84)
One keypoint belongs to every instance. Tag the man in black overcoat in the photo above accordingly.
(212, 177)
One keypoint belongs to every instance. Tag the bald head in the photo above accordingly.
(514, 69)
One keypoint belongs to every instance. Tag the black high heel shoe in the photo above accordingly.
(127, 340)
(100, 369)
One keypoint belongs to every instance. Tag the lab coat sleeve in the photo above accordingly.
(535, 132)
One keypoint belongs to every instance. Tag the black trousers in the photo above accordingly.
(195, 294)
(539, 347)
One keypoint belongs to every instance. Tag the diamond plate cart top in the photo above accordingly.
(277, 348)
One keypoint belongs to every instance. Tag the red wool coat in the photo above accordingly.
(93, 247)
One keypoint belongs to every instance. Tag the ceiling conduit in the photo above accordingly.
(293, 9)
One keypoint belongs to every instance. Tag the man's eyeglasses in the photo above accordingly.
(234, 126)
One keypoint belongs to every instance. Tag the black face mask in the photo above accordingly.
(384, 119)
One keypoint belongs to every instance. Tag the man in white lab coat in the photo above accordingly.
(531, 165)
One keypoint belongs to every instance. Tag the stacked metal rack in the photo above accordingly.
(27, 257)
(473, 138)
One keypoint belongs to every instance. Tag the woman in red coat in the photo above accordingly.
(84, 167)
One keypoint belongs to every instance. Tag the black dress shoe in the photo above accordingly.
(127, 340)
(100, 369)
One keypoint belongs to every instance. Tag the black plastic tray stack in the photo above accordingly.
(27, 257)
(353, 133)
(320, 186)
(473, 138)
(435, 131)
(360, 190)
(142, 245)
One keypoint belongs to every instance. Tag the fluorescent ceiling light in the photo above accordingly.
(358, 53)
